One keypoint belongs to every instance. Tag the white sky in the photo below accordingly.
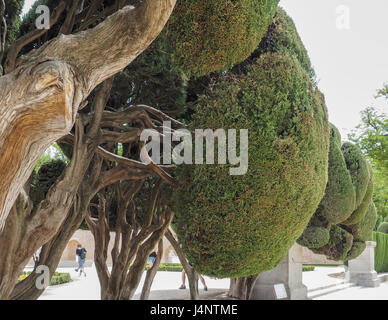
(27, 5)
(350, 64)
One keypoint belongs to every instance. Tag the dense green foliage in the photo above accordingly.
(346, 212)
(306, 268)
(56, 279)
(372, 134)
(169, 267)
(383, 227)
(13, 10)
(379, 221)
(207, 36)
(232, 226)
(42, 181)
(381, 251)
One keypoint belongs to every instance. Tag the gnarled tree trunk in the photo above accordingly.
(42, 91)
(190, 272)
(241, 288)
(151, 273)
(134, 240)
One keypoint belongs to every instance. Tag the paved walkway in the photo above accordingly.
(166, 283)
(359, 293)
(164, 287)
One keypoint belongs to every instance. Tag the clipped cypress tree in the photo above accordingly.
(235, 226)
(346, 215)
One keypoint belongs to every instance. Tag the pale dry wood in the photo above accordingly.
(39, 99)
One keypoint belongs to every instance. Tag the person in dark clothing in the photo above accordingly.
(81, 255)
(35, 257)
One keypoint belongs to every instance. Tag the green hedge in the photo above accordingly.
(60, 278)
(381, 251)
(308, 268)
(171, 267)
(57, 278)
(383, 228)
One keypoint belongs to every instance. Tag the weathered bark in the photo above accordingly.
(134, 240)
(151, 273)
(190, 272)
(241, 288)
(42, 91)
(50, 256)
(28, 229)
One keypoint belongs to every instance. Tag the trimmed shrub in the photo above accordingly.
(362, 231)
(207, 36)
(308, 268)
(169, 267)
(383, 227)
(356, 249)
(234, 226)
(60, 278)
(339, 244)
(56, 279)
(379, 221)
(358, 169)
(346, 210)
(340, 198)
(314, 237)
(381, 251)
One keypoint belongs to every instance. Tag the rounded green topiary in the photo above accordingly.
(212, 35)
(314, 237)
(383, 228)
(346, 209)
(340, 197)
(356, 249)
(233, 226)
(339, 244)
(360, 212)
(362, 230)
(359, 171)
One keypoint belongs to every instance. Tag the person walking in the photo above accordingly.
(183, 286)
(81, 255)
(35, 257)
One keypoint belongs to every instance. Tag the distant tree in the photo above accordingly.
(372, 137)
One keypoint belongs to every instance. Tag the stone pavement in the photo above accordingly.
(359, 293)
(166, 283)
(164, 287)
